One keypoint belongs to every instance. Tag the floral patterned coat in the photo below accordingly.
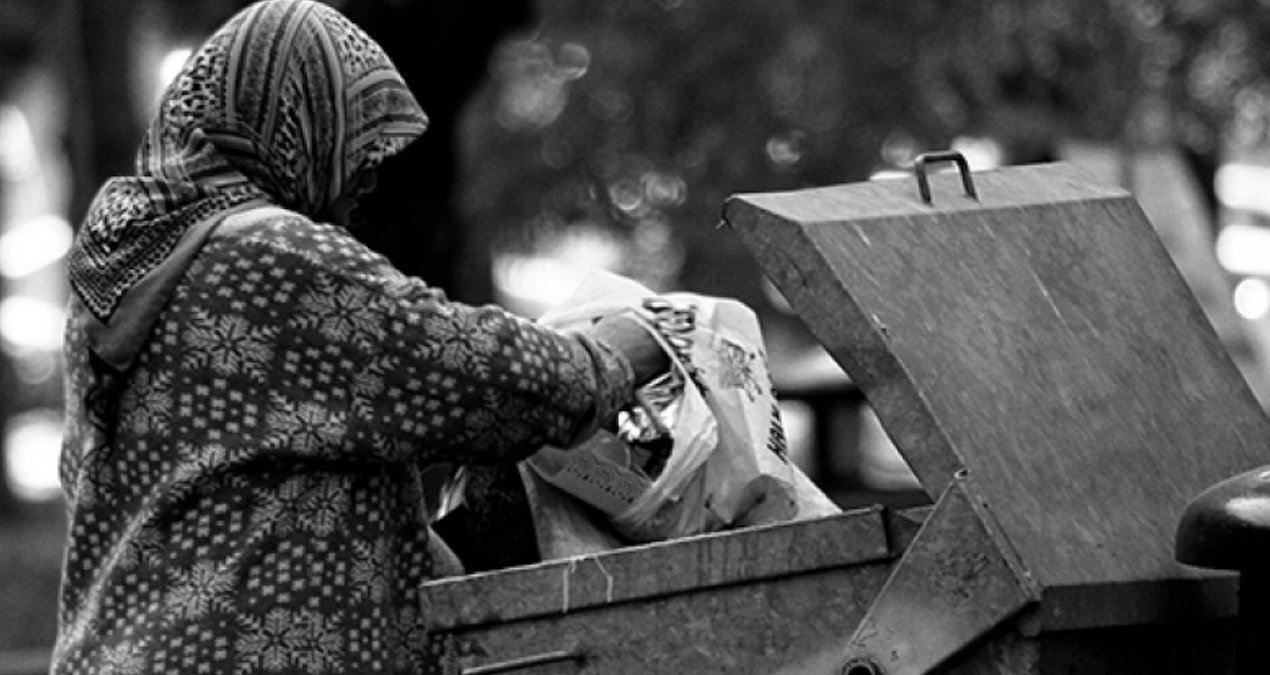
(260, 508)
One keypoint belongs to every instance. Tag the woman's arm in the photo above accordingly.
(371, 364)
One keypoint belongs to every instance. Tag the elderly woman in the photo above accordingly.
(253, 395)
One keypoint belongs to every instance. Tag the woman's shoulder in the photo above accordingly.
(274, 237)
(288, 231)
(269, 223)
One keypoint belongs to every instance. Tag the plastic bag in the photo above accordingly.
(726, 464)
(749, 478)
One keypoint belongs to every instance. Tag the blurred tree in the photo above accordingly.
(97, 55)
(442, 49)
(1186, 73)
(23, 30)
(638, 117)
(641, 116)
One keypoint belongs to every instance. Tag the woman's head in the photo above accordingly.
(288, 102)
(290, 96)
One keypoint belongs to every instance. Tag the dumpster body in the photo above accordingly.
(1035, 356)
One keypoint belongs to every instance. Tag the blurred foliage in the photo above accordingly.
(410, 217)
(639, 117)
(23, 25)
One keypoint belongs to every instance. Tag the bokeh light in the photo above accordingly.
(33, 441)
(30, 324)
(30, 245)
(1252, 298)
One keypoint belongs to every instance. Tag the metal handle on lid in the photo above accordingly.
(919, 169)
(861, 667)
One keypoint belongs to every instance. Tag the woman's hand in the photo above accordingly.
(634, 341)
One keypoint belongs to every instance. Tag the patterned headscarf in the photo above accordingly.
(285, 103)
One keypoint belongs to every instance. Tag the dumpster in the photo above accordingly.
(1036, 357)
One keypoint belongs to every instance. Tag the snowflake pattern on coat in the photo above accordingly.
(260, 510)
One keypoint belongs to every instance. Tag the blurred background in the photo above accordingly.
(574, 134)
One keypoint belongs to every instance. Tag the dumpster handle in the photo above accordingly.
(860, 667)
(572, 653)
(919, 168)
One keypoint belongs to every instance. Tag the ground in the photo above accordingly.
(31, 546)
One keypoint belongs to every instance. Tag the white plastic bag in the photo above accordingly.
(601, 473)
(749, 478)
(726, 464)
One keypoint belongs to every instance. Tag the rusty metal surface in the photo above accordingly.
(902, 525)
(957, 581)
(1207, 597)
(1003, 652)
(784, 626)
(1061, 425)
(1040, 337)
(665, 568)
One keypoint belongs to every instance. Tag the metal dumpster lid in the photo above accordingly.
(1036, 335)
(945, 193)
